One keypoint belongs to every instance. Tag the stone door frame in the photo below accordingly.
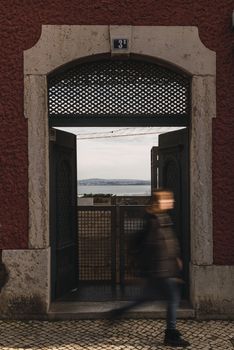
(177, 46)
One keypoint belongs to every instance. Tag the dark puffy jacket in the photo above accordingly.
(160, 248)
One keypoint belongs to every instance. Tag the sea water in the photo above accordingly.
(118, 190)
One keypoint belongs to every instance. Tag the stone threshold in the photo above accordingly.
(98, 310)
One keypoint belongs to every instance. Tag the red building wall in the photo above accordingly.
(20, 26)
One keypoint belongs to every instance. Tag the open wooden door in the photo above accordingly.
(63, 212)
(170, 169)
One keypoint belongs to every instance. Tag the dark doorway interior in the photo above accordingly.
(89, 258)
(104, 91)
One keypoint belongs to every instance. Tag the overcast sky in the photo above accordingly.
(124, 157)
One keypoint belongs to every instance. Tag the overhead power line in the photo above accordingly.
(121, 135)
(106, 132)
(124, 132)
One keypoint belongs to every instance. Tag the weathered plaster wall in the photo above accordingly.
(28, 268)
(20, 25)
(212, 300)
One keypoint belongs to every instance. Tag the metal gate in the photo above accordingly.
(104, 268)
(97, 244)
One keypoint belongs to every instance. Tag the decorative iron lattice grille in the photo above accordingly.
(119, 88)
(102, 251)
(131, 221)
(95, 241)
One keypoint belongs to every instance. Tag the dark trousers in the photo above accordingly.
(168, 288)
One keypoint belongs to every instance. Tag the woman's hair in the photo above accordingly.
(157, 195)
(161, 193)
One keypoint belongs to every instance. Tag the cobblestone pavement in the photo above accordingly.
(99, 334)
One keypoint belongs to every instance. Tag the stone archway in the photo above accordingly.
(177, 46)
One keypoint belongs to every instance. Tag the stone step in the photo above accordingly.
(97, 310)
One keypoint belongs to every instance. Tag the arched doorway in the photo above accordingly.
(105, 91)
(179, 47)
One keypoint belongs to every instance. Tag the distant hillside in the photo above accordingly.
(111, 182)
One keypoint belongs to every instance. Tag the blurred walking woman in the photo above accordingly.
(162, 259)
(158, 263)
